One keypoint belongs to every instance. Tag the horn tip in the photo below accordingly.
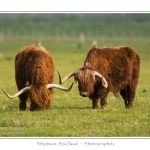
(71, 86)
(6, 93)
(60, 81)
(3, 91)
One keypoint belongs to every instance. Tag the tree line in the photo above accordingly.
(75, 17)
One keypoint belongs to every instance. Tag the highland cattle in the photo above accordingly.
(34, 75)
(108, 70)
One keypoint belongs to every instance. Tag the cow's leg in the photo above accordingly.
(131, 91)
(134, 82)
(33, 106)
(103, 97)
(125, 96)
(128, 95)
(23, 99)
(95, 102)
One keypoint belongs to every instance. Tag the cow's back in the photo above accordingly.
(34, 65)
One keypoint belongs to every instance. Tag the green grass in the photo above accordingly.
(112, 29)
(71, 114)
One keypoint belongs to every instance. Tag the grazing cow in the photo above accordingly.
(108, 70)
(34, 73)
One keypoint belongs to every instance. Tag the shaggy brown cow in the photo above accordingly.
(108, 70)
(34, 72)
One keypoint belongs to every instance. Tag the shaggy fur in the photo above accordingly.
(120, 66)
(34, 67)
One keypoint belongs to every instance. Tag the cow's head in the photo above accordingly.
(86, 79)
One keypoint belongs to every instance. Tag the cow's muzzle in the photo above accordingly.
(84, 94)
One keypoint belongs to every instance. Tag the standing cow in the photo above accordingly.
(108, 70)
(34, 74)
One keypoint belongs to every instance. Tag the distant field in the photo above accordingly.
(72, 115)
(111, 29)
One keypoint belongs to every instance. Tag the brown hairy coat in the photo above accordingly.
(34, 67)
(120, 66)
(119, 69)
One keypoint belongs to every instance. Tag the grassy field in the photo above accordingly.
(72, 115)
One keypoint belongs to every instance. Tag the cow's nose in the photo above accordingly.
(84, 94)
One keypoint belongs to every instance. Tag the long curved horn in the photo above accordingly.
(61, 81)
(18, 93)
(59, 87)
(104, 82)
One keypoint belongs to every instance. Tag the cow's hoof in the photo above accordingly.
(103, 107)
